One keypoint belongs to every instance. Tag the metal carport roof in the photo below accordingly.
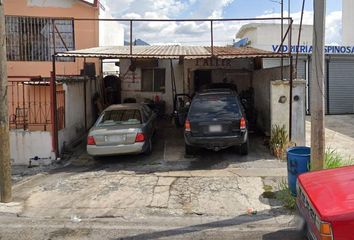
(169, 52)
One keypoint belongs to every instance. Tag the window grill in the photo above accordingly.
(35, 39)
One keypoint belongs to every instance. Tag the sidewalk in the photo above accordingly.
(339, 134)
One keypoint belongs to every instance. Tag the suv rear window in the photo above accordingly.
(120, 117)
(214, 106)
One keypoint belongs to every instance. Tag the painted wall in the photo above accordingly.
(75, 113)
(280, 111)
(86, 32)
(347, 24)
(25, 145)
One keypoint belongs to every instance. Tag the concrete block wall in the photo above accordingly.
(279, 108)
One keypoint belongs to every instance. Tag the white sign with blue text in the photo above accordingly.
(308, 49)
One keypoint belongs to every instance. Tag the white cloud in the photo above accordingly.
(197, 33)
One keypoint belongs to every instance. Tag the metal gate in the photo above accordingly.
(341, 86)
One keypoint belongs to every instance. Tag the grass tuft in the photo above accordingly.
(333, 159)
(284, 195)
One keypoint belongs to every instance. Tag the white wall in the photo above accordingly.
(280, 111)
(263, 36)
(348, 20)
(25, 145)
(74, 111)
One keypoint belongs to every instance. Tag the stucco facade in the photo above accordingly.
(36, 140)
(86, 33)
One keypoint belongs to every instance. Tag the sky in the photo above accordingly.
(198, 33)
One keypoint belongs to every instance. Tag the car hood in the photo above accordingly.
(331, 192)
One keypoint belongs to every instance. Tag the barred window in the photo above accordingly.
(31, 38)
(153, 80)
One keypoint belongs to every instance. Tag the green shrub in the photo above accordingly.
(279, 141)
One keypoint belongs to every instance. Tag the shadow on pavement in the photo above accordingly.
(167, 155)
(289, 234)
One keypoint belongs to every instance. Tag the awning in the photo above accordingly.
(170, 52)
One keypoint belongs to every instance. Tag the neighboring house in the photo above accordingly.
(266, 36)
(35, 30)
(111, 34)
(339, 60)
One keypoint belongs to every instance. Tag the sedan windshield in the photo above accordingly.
(209, 107)
(120, 117)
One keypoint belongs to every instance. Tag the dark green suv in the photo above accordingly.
(216, 121)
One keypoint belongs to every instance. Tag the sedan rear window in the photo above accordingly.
(120, 117)
(214, 106)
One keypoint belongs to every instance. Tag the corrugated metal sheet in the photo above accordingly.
(301, 69)
(341, 86)
(312, 81)
(161, 52)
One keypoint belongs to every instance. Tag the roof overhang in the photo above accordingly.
(169, 52)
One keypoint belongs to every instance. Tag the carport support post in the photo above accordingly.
(5, 163)
(317, 89)
(85, 95)
(53, 108)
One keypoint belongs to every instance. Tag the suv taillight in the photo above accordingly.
(243, 123)
(187, 126)
(91, 140)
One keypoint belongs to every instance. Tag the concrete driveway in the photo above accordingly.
(165, 185)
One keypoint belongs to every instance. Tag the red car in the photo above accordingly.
(325, 200)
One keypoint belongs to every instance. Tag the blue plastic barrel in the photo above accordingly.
(298, 162)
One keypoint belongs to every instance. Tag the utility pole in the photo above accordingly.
(317, 87)
(5, 164)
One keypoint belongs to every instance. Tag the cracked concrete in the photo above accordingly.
(213, 184)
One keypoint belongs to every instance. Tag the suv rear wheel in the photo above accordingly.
(244, 148)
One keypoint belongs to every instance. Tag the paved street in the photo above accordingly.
(241, 227)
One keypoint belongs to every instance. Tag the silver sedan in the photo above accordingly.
(122, 129)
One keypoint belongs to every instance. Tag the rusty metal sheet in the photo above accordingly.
(168, 52)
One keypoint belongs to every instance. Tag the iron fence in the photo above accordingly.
(29, 105)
